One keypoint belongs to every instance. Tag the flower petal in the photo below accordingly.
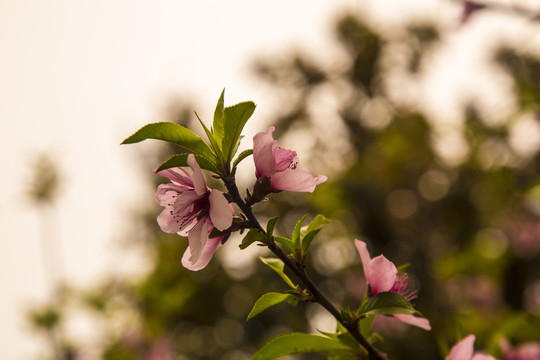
(167, 222)
(365, 258)
(295, 180)
(178, 176)
(463, 350)
(197, 239)
(206, 255)
(263, 153)
(198, 178)
(220, 210)
(486, 357)
(382, 273)
(414, 320)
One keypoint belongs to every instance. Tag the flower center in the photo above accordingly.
(401, 286)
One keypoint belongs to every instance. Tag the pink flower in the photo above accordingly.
(382, 275)
(526, 351)
(281, 165)
(193, 210)
(464, 350)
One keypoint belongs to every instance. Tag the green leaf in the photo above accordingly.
(268, 300)
(297, 229)
(297, 343)
(180, 160)
(365, 326)
(173, 133)
(387, 303)
(252, 236)
(317, 222)
(286, 242)
(215, 144)
(270, 226)
(219, 129)
(278, 266)
(306, 240)
(234, 119)
(244, 154)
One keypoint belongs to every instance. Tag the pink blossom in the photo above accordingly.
(464, 350)
(382, 275)
(192, 209)
(526, 351)
(281, 165)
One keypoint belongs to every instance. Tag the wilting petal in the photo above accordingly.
(197, 239)
(463, 350)
(414, 320)
(263, 153)
(382, 274)
(206, 255)
(220, 211)
(198, 178)
(295, 180)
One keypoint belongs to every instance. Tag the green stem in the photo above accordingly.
(300, 272)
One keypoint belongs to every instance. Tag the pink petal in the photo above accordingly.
(167, 222)
(364, 256)
(382, 273)
(295, 180)
(263, 153)
(178, 176)
(463, 350)
(197, 239)
(484, 357)
(220, 210)
(283, 159)
(414, 320)
(198, 178)
(206, 255)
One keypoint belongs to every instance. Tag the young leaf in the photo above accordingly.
(387, 303)
(234, 119)
(217, 125)
(268, 300)
(216, 145)
(296, 343)
(286, 242)
(307, 239)
(180, 160)
(173, 133)
(365, 326)
(252, 236)
(277, 265)
(270, 226)
(244, 154)
(317, 222)
(297, 229)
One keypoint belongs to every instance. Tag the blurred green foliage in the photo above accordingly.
(469, 229)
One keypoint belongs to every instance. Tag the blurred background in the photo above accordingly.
(423, 114)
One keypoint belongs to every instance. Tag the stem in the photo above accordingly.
(300, 272)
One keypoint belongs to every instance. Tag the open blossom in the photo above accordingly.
(281, 165)
(192, 209)
(464, 350)
(382, 275)
(526, 351)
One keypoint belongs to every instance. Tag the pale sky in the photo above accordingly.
(77, 77)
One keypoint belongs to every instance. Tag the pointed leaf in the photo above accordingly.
(173, 133)
(270, 226)
(297, 229)
(252, 236)
(212, 138)
(298, 343)
(180, 160)
(268, 300)
(317, 222)
(387, 303)
(244, 154)
(234, 119)
(287, 243)
(306, 240)
(217, 125)
(365, 326)
(278, 266)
